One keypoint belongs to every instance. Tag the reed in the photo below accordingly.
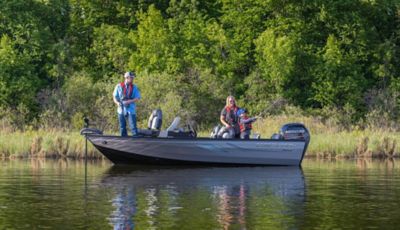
(327, 141)
(14, 147)
(45, 144)
(362, 148)
(386, 148)
(36, 145)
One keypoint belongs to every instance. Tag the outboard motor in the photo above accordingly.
(155, 120)
(293, 131)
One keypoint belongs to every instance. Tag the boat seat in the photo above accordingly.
(155, 120)
(174, 131)
(153, 125)
(148, 133)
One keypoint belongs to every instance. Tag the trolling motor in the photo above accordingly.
(86, 130)
(86, 122)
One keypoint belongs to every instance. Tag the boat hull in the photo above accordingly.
(199, 151)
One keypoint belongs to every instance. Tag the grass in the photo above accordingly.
(327, 141)
(45, 143)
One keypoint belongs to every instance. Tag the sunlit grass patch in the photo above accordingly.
(50, 143)
(15, 144)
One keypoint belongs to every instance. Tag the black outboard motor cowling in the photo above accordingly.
(294, 131)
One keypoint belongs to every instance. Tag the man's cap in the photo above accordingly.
(129, 74)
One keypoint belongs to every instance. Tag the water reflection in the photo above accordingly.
(334, 194)
(365, 164)
(125, 206)
(209, 198)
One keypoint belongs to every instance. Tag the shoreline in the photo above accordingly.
(103, 158)
(330, 145)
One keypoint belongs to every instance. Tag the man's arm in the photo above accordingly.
(115, 95)
(116, 101)
(130, 101)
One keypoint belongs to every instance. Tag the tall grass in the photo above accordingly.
(44, 143)
(327, 140)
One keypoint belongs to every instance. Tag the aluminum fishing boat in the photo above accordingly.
(177, 146)
(150, 150)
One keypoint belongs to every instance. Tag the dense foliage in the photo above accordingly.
(60, 59)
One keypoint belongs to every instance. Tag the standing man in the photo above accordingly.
(125, 95)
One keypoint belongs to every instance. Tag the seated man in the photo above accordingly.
(245, 124)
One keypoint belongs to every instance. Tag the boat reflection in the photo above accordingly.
(222, 198)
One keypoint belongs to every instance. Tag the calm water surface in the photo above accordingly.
(47, 194)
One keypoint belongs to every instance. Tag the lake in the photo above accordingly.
(63, 194)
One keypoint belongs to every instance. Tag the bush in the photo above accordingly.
(383, 109)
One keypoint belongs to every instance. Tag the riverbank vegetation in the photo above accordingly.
(45, 144)
(333, 65)
(327, 141)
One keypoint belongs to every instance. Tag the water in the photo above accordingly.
(46, 194)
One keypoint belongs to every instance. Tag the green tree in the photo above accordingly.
(18, 80)
(111, 48)
(154, 48)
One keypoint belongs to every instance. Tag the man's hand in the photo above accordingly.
(116, 101)
(128, 102)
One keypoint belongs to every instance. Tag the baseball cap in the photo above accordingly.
(129, 74)
(240, 112)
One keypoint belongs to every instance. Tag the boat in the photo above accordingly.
(177, 147)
